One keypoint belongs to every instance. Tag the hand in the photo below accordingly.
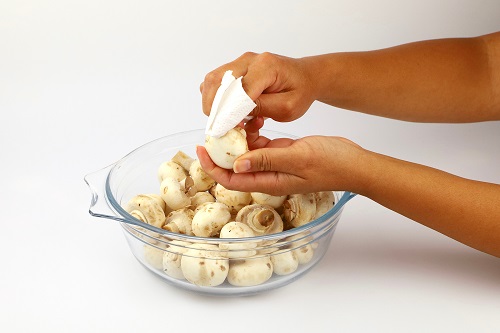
(286, 166)
(280, 86)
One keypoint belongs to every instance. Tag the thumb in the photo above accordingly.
(263, 159)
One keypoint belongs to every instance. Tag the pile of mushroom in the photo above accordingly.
(189, 202)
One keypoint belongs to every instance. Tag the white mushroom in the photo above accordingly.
(180, 221)
(267, 199)
(324, 202)
(153, 256)
(237, 249)
(171, 263)
(226, 149)
(203, 265)
(262, 219)
(200, 198)
(171, 169)
(174, 194)
(183, 159)
(209, 219)
(235, 200)
(284, 262)
(202, 181)
(302, 246)
(299, 209)
(250, 272)
(148, 209)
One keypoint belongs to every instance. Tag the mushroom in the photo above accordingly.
(267, 199)
(183, 159)
(171, 169)
(174, 194)
(153, 256)
(148, 209)
(171, 261)
(202, 180)
(209, 219)
(203, 265)
(180, 221)
(262, 219)
(226, 149)
(235, 200)
(200, 198)
(284, 262)
(302, 247)
(299, 209)
(237, 249)
(324, 202)
(250, 272)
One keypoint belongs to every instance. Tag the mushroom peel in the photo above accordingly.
(147, 208)
(180, 221)
(171, 263)
(267, 199)
(235, 200)
(203, 265)
(174, 194)
(226, 149)
(237, 249)
(262, 219)
(284, 262)
(250, 271)
(209, 219)
(299, 209)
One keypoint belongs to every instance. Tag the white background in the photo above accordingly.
(82, 83)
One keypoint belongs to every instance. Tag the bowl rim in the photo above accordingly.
(125, 217)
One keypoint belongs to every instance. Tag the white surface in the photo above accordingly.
(82, 83)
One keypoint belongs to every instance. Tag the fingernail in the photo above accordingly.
(241, 166)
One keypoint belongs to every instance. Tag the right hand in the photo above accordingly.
(280, 86)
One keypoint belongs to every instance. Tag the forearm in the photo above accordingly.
(465, 210)
(447, 80)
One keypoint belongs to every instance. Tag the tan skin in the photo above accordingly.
(446, 80)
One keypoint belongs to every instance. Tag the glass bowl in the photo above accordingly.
(220, 266)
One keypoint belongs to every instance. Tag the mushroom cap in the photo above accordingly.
(302, 247)
(147, 209)
(200, 198)
(262, 219)
(171, 263)
(153, 256)
(235, 200)
(267, 199)
(180, 221)
(299, 209)
(250, 271)
(237, 249)
(284, 262)
(324, 202)
(174, 194)
(209, 218)
(183, 159)
(171, 169)
(203, 265)
(226, 149)
(202, 181)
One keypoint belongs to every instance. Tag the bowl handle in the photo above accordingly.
(99, 206)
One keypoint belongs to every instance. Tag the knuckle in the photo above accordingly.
(264, 162)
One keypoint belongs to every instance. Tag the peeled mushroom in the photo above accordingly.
(148, 209)
(209, 219)
(261, 219)
(235, 200)
(180, 221)
(250, 272)
(299, 209)
(203, 265)
(171, 169)
(237, 249)
(226, 149)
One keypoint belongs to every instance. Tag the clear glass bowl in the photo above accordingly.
(236, 266)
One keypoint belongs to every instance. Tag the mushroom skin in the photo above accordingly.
(202, 181)
(250, 272)
(225, 150)
(284, 262)
(174, 194)
(209, 218)
(262, 219)
(147, 208)
(237, 249)
(235, 200)
(171, 169)
(299, 209)
(200, 198)
(171, 261)
(179, 221)
(203, 265)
